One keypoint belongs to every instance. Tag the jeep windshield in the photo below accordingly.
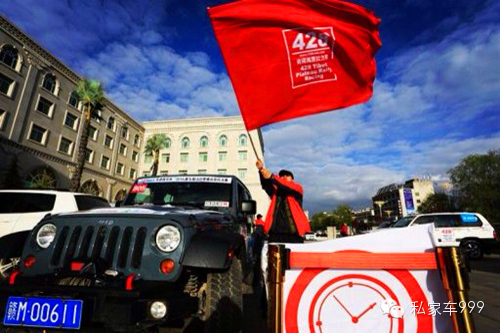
(200, 192)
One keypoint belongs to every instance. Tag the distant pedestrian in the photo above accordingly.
(259, 221)
(344, 230)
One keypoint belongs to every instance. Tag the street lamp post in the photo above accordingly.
(380, 203)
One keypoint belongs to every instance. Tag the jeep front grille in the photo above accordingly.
(119, 247)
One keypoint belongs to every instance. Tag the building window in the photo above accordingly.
(93, 133)
(165, 158)
(202, 172)
(66, 146)
(119, 168)
(74, 99)
(89, 155)
(6, 84)
(38, 134)
(97, 116)
(9, 56)
(123, 149)
(242, 155)
(417, 194)
(71, 121)
(242, 173)
(45, 106)
(134, 155)
(418, 201)
(222, 156)
(49, 82)
(203, 157)
(148, 158)
(136, 140)
(168, 143)
(111, 124)
(3, 117)
(163, 172)
(204, 142)
(105, 162)
(223, 141)
(124, 132)
(108, 141)
(132, 174)
(183, 172)
(184, 157)
(222, 171)
(185, 143)
(242, 140)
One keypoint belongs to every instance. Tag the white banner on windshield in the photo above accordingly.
(186, 179)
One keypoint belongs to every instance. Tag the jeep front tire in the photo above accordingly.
(223, 304)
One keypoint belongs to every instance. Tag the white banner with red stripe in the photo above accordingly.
(386, 281)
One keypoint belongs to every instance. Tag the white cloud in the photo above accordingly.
(435, 104)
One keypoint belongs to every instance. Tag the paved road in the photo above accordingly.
(485, 286)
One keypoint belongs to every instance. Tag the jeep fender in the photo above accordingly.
(11, 246)
(211, 249)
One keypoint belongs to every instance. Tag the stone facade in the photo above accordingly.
(216, 145)
(40, 123)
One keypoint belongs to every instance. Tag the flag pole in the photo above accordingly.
(253, 145)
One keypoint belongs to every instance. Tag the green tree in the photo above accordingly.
(438, 202)
(343, 214)
(321, 220)
(477, 181)
(153, 147)
(91, 94)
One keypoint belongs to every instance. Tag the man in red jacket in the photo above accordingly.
(285, 221)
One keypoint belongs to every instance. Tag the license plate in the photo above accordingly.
(43, 312)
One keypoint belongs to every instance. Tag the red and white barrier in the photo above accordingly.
(382, 282)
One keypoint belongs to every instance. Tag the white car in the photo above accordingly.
(472, 231)
(310, 236)
(21, 210)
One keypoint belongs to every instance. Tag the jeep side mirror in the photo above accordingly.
(249, 207)
(118, 203)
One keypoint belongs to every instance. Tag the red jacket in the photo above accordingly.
(292, 192)
(259, 222)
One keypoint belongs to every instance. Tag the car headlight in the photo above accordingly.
(46, 235)
(168, 238)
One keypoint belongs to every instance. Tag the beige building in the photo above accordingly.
(217, 145)
(399, 200)
(40, 124)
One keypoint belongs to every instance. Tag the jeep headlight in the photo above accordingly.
(168, 238)
(46, 235)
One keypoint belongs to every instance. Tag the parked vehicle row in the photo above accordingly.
(21, 210)
(472, 231)
(174, 249)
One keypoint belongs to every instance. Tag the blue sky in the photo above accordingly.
(436, 97)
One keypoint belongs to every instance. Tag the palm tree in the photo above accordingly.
(91, 95)
(153, 147)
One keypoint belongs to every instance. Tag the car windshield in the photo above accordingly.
(182, 191)
(384, 225)
(404, 222)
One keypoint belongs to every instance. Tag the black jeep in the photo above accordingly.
(175, 248)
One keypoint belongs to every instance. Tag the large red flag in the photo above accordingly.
(292, 58)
